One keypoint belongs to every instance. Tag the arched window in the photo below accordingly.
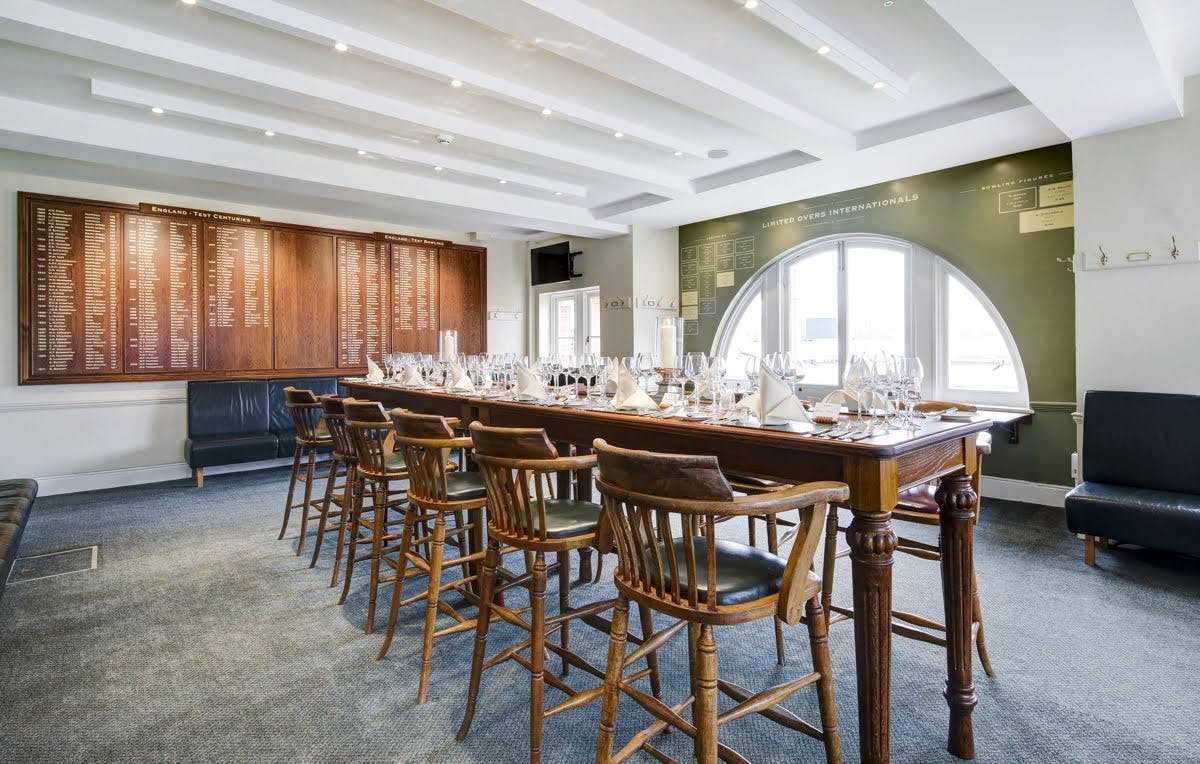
(833, 297)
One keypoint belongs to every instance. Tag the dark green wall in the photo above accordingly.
(970, 215)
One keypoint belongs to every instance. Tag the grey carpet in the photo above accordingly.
(202, 638)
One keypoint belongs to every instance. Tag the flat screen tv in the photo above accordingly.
(552, 264)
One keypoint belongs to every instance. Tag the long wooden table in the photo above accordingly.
(876, 471)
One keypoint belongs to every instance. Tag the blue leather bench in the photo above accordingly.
(1140, 481)
(234, 421)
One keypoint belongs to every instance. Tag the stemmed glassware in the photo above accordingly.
(645, 364)
(695, 370)
(587, 372)
(857, 379)
(911, 374)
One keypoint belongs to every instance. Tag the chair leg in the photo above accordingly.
(537, 656)
(310, 472)
(647, 618)
(410, 519)
(613, 673)
(287, 506)
(773, 548)
(980, 643)
(198, 474)
(490, 562)
(326, 503)
(379, 528)
(1089, 550)
(829, 564)
(431, 602)
(704, 713)
(818, 640)
(564, 604)
(356, 491)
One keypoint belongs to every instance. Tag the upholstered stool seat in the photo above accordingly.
(568, 517)
(744, 573)
(465, 486)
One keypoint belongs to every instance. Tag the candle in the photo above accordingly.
(666, 346)
(448, 347)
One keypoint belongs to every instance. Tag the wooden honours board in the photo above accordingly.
(112, 292)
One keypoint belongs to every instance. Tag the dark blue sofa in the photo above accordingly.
(16, 501)
(1140, 480)
(234, 421)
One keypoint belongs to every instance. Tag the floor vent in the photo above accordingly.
(53, 564)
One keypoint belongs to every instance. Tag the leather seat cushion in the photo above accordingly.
(208, 452)
(744, 573)
(1166, 520)
(22, 487)
(569, 517)
(464, 486)
(15, 510)
(920, 499)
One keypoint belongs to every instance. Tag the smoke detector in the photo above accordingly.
(444, 139)
(718, 153)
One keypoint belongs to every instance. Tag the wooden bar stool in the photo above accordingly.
(519, 467)
(662, 510)
(380, 470)
(311, 434)
(439, 497)
(340, 484)
(916, 505)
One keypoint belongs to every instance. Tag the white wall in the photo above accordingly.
(1136, 327)
(79, 437)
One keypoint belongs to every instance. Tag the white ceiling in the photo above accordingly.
(356, 130)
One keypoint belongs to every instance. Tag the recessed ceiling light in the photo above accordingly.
(751, 4)
(456, 83)
(503, 182)
(189, 2)
(269, 133)
(362, 153)
(678, 153)
(878, 84)
(558, 193)
(546, 112)
(438, 168)
(888, 3)
(157, 110)
(618, 134)
(823, 50)
(341, 47)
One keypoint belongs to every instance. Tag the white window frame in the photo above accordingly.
(926, 305)
(548, 329)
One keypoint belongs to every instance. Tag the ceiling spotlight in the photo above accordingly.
(157, 110)
(823, 50)
(618, 134)
(878, 85)
(546, 112)
(456, 83)
(558, 193)
(751, 4)
(362, 153)
(503, 182)
(437, 168)
(341, 47)
(888, 3)
(189, 2)
(269, 133)
(678, 153)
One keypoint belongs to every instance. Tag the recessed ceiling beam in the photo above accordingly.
(290, 82)
(207, 111)
(253, 163)
(815, 135)
(310, 26)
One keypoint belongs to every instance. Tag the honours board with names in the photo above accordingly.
(111, 292)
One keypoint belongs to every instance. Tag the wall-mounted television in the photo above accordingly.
(553, 264)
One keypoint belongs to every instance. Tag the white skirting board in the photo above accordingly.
(1021, 490)
(51, 485)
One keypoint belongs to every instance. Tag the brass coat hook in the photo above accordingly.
(1103, 256)
(1174, 249)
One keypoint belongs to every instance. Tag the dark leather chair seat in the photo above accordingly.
(744, 573)
(568, 517)
(1166, 520)
(919, 499)
(464, 486)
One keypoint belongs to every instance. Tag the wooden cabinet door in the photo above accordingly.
(462, 280)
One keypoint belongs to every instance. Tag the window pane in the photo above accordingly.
(564, 325)
(875, 292)
(746, 339)
(812, 316)
(978, 355)
(593, 299)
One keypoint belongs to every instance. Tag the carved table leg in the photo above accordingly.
(957, 503)
(872, 543)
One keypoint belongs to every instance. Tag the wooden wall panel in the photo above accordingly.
(462, 276)
(306, 309)
(162, 294)
(415, 299)
(363, 287)
(237, 288)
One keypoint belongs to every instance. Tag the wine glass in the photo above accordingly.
(695, 368)
(751, 370)
(587, 371)
(645, 363)
(857, 379)
(912, 374)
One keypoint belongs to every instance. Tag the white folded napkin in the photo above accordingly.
(529, 385)
(610, 387)
(460, 380)
(411, 376)
(374, 373)
(842, 398)
(629, 396)
(774, 403)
